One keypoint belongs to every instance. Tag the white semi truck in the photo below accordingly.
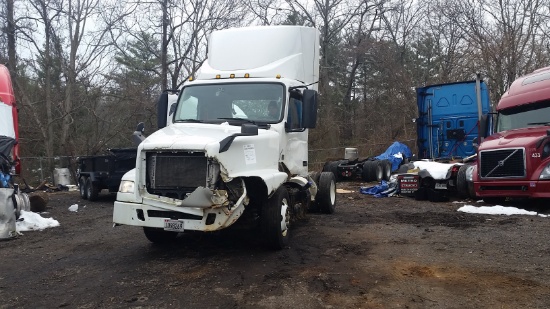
(234, 143)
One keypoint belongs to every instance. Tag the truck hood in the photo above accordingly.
(192, 136)
(514, 138)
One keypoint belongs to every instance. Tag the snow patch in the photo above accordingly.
(34, 222)
(437, 170)
(73, 207)
(497, 210)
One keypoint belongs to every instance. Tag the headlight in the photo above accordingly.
(470, 173)
(545, 174)
(126, 186)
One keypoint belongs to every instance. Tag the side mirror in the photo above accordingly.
(162, 110)
(309, 113)
(138, 135)
(172, 109)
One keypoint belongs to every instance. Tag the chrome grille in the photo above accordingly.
(502, 163)
(174, 174)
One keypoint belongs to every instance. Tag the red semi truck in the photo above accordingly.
(514, 162)
(12, 201)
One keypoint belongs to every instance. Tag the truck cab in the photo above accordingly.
(514, 162)
(234, 144)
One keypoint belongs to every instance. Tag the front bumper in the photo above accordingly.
(513, 188)
(151, 216)
(204, 219)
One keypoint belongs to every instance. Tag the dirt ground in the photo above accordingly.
(371, 253)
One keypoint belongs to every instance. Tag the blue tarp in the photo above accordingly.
(384, 189)
(394, 149)
(4, 180)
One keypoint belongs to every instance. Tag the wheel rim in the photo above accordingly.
(285, 217)
(82, 189)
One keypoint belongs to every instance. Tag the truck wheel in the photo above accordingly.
(377, 170)
(92, 191)
(368, 173)
(496, 200)
(275, 219)
(386, 169)
(365, 171)
(461, 184)
(328, 167)
(315, 177)
(82, 187)
(159, 236)
(326, 196)
(333, 167)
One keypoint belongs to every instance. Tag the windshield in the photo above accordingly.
(254, 102)
(527, 115)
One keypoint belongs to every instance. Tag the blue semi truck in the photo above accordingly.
(448, 118)
(452, 120)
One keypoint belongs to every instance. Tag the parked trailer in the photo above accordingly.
(372, 168)
(96, 173)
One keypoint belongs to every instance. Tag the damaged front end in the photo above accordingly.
(181, 190)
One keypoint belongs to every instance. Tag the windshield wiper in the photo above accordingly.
(190, 120)
(547, 123)
(240, 119)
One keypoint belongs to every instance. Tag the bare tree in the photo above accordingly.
(503, 36)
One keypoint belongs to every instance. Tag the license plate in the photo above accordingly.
(441, 186)
(173, 225)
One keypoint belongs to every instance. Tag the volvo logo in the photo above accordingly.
(500, 163)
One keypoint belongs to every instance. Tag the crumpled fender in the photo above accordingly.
(272, 179)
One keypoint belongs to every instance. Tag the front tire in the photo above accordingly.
(159, 236)
(275, 219)
(326, 194)
(461, 184)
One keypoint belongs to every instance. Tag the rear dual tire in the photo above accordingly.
(376, 170)
(92, 190)
(82, 187)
